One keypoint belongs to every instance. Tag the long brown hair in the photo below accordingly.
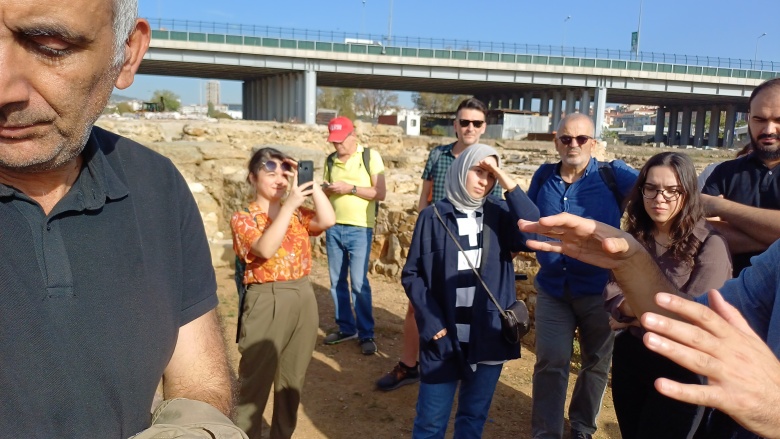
(683, 244)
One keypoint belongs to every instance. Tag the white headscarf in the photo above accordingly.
(455, 183)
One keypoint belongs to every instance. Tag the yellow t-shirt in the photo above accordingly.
(351, 209)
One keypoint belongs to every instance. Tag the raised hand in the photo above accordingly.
(587, 240)
(743, 374)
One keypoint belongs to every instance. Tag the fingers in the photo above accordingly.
(697, 314)
(695, 394)
(292, 163)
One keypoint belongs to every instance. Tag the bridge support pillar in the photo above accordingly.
(556, 110)
(285, 97)
(671, 134)
(515, 101)
(731, 120)
(685, 131)
(544, 104)
(599, 105)
(494, 103)
(585, 102)
(698, 137)
(527, 99)
(714, 132)
(660, 121)
(570, 102)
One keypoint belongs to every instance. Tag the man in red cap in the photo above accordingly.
(355, 182)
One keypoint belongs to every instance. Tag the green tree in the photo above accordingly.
(436, 102)
(374, 103)
(169, 99)
(339, 99)
(210, 109)
(124, 107)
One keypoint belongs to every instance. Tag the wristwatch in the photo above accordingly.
(354, 190)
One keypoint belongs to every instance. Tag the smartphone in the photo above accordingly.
(305, 171)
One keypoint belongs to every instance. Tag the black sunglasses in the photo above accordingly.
(270, 166)
(465, 122)
(581, 140)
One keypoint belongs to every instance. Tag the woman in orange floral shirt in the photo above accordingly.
(279, 314)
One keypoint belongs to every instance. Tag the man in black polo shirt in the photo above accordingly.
(749, 186)
(106, 284)
(745, 194)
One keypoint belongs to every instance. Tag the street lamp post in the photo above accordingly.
(755, 54)
(363, 20)
(565, 27)
(638, 32)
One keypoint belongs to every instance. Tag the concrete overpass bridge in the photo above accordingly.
(281, 68)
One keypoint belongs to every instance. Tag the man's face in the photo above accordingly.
(468, 133)
(575, 155)
(347, 147)
(764, 124)
(56, 75)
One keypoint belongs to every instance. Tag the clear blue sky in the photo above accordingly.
(687, 27)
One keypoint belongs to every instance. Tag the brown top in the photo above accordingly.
(711, 269)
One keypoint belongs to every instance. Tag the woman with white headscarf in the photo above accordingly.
(460, 328)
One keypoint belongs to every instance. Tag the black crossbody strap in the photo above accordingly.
(484, 249)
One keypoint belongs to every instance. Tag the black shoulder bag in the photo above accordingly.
(515, 321)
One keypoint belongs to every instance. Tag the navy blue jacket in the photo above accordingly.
(430, 278)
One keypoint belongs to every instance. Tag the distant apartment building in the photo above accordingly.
(212, 92)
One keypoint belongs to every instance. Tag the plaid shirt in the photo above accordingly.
(437, 172)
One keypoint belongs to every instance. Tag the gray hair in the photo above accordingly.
(125, 14)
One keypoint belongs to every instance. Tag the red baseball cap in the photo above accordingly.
(339, 128)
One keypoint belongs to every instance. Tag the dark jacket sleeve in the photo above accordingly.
(415, 278)
(520, 207)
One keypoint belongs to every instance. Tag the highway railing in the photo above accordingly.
(343, 42)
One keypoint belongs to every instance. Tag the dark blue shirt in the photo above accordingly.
(588, 197)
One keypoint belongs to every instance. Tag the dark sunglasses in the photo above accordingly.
(270, 166)
(465, 122)
(581, 140)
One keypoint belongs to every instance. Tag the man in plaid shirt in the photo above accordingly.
(469, 125)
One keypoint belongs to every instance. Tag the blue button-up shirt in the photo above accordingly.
(588, 197)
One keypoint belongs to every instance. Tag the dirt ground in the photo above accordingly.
(339, 399)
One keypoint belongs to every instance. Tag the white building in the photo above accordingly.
(212, 92)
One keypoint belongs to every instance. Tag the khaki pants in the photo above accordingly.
(277, 338)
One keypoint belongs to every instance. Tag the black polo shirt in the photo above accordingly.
(93, 294)
(746, 180)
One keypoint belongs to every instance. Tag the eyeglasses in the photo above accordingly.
(649, 191)
(270, 166)
(465, 122)
(581, 140)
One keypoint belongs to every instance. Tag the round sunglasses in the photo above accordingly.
(271, 166)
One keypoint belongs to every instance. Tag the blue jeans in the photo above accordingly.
(434, 404)
(556, 321)
(348, 249)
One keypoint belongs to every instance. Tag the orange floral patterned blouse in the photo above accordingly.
(293, 258)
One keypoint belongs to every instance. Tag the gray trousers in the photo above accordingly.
(277, 338)
(556, 321)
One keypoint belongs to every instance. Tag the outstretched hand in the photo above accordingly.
(589, 241)
(743, 374)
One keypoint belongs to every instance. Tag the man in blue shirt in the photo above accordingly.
(569, 291)
(743, 374)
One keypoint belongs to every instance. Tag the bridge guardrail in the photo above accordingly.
(377, 48)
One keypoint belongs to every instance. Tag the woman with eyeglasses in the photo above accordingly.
(665, 214)
(279, 318)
